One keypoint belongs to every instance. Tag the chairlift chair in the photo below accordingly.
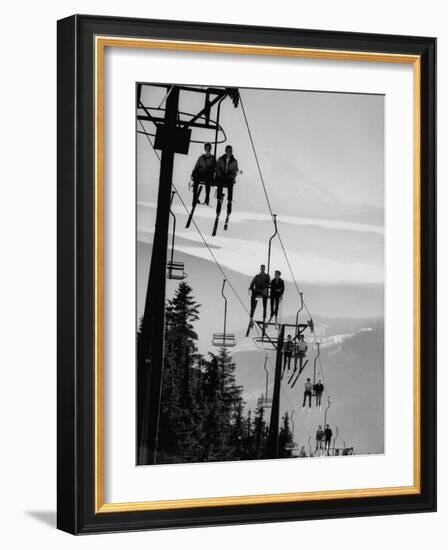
(224, 339)
(267, 342)
(264, 402)
(175, 270)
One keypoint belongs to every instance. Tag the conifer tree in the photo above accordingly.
(221, 399)
(176, 441)
(259, 433)
(249, 450)
(236, 436)
(285, 437)
(202, 415)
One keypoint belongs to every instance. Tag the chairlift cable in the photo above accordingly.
(256, 157)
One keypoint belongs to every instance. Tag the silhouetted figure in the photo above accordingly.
(308, 392)
(328, 435)
(226, 171)
(319, 438)
(288, 349)
(259, 288)
(302, 347)
(204, 172)
(318, 390)
(277, 290)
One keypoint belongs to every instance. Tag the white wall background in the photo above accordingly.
(28, 273)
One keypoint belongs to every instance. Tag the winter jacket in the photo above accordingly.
(288, 346)
(328, 434)
(318, 388)
(230, 171)
(277, 287)
(260, 283)
(302, 346)
(205, 166)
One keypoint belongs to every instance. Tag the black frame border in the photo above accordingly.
(76, 261)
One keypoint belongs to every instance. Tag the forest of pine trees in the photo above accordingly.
(202, 413)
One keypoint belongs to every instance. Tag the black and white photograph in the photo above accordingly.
(260, 234)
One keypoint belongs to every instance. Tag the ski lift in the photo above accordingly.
(299, 354)
(267, 341)
(205, 114)
(315, 361)
(335, 438)
(224, 339)
(299, 363)
(233, 93)
(260, 297)
(329, 401)
(175, 270)
(264, 401)
(274, 219)
(221, 340)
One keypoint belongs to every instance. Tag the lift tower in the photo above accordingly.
(172, 135)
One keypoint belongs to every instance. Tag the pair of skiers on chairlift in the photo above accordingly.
(261, 287)
(323, 436)
(209, 172)
(311, 388)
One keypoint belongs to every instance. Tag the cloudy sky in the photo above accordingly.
(322, 158)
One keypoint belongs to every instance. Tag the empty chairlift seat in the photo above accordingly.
(223, 340)
(175, 270)
(265, 403)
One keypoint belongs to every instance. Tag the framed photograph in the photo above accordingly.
(246, 274)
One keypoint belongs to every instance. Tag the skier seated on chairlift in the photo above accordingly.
(328, 435)
(319, 438)
(307, 393)
(259, 288)
(318, 390)
(226, 171)
(302, 347)
(288, 348)
(277, 290)
(204, 172)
